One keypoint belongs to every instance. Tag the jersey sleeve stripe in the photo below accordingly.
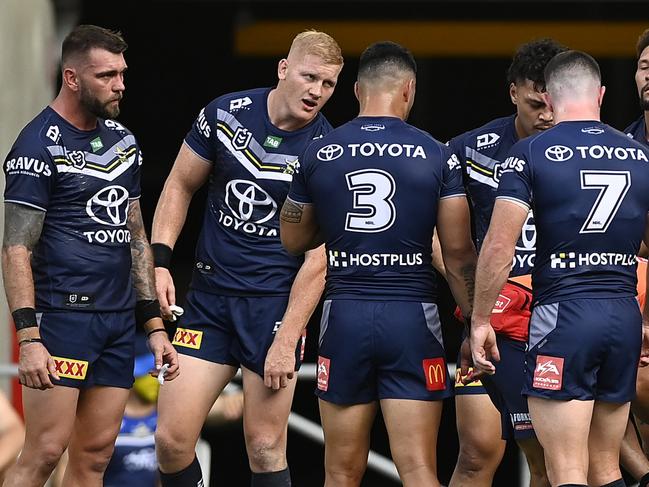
(455, 195)
(196, 153)
(26, 204)
(294, 200)
(515, 201)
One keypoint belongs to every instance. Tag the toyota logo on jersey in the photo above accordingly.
(249, 202)
(330, 152)
(558, 153)
(109, 206)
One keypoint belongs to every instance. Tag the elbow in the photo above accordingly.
(292, 246)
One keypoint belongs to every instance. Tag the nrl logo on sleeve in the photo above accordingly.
(241, 139)
(272, 141)
(71, 368)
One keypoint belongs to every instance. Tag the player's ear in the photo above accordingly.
(70, 79)
(282, 67)
(356, 94)
(409, 90)
(513, 93)
(600, 98)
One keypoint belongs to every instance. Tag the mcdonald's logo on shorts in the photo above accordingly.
(71, 368)
(188, 338)
(435, 373)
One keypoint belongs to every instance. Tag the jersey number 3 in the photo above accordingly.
(373, 190)
(612, 186)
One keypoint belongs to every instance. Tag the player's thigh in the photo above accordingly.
(99, 414)
(265, 411)
(184, 402)
(607, 427)
(478, 423)
(347, 432)
(412, 428)
(49, 416)
(561, 426)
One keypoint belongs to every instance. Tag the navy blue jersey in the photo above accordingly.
(587, 184)
(375, 183)
(638, 131)
(239, 251)
(134, 463)
(482, 152)
(83, 180)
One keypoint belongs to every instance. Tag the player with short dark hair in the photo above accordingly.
(482, 152)
(78, 271)
(249, 300)
(373, 191)
(587, 185)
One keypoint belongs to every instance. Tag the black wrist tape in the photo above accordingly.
(145, 310)
(161, 255)
(24, 318)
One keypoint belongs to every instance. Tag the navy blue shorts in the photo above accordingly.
(90, 349)
(585, 349)
(372, 350)
(505, 389)
(232, 330)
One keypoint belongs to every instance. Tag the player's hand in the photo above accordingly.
(483, 347)
(163, 353)
(468, 373)
(164, 286)
(279, 367)
(35, 365)
(644, 352)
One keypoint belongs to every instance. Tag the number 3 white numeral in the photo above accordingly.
(373, 191)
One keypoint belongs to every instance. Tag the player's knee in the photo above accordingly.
(171, 445)
(412, 459)
(345, 473)
(94, 454)
(475, 458)
(47, 456)
(265, 451)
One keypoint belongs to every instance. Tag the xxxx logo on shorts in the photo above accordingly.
(71, 368)
(188, 338)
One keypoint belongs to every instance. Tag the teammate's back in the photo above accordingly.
(378, 230)
(589, 189)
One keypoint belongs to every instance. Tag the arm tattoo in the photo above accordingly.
(23, 226)
(291, 212)
(142, 259)
(468, 275)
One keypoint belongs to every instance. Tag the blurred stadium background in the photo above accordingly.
(184, 53)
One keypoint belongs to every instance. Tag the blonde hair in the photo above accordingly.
(318, 44)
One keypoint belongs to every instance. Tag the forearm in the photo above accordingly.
(142, 269)
(494, 265)
(305, 294)
(18, 279)
(170, 213)
(460, 275)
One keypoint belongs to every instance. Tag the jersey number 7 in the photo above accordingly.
(612, 186)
